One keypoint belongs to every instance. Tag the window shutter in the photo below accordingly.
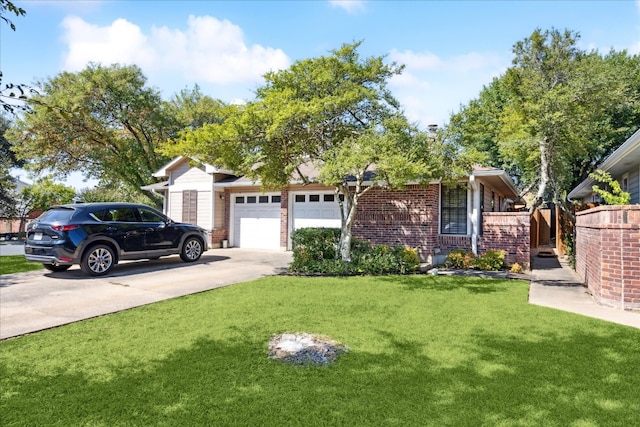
(190, 206)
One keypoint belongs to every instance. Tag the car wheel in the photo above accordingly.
(191, 250)
(56, 268)
(98, 260)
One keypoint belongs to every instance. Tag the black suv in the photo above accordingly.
(98, 235)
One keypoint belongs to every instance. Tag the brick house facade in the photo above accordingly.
(433, 218)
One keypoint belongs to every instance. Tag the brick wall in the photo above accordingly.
(509, 231)
(608, 254)
(216, 236)
(400, 217)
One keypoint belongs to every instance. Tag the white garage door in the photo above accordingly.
(256, 221)
(315, 210)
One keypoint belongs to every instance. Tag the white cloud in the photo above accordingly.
(120, 42)
(208, 51)
(417, 61)
(350, 6)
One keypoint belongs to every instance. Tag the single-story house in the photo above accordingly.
(434, 218)
(623, 165)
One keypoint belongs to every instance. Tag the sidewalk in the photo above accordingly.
(556, 285)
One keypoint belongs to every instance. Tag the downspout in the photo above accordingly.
(475, 212)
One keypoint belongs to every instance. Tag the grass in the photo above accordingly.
(17, 264)
(424, 350)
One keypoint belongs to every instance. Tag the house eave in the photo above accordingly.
(210, 169)
(613, 164)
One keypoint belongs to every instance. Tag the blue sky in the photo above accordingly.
(450, 48)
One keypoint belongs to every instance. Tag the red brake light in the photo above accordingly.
(65, 227)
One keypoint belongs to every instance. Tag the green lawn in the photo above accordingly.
(17, 264)
(424, 351)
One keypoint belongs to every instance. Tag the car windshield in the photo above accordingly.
(58, 214)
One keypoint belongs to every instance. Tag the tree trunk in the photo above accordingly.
(545, 164)
(347, 213)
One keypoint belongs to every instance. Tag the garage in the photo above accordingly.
(256, 220)
(315, 209)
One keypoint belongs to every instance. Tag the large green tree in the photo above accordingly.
(554, 114)
(43, 194)
(7, 161)
(334, 113)
(102, 121)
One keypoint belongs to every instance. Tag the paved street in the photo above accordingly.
(39, 300)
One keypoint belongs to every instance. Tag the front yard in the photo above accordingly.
(423, 350)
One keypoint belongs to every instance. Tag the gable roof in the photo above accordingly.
(163, 172)
(619, 162)
(497, 178)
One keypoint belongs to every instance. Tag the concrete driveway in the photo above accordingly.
(38, 300)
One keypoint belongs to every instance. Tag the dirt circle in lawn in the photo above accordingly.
(305, 349)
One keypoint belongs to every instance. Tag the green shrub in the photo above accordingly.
(312, 246)
(459, 259)
(492, 260)
(315, 251)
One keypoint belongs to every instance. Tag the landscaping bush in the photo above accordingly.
(516, 268)
(492, 260)
(315, 251)
(312, 246)
(459, 259)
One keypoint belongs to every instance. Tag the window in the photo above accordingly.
(314, 197)
(123, 215)
(239, 199)
(263, 199)
(251, 199)
(624, 182)
(329, 198)
(300, 198)
(275, 199)
(148, 215)
(453, 210)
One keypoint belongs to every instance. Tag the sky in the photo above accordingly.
(450, 49)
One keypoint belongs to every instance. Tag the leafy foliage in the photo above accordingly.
(102, 121)
(616, 196)
(491, 260)
(114, 194)
(13, 96)
(315, 251)
(459, 259)
(8, 6)
(554, 114)
(7, 161)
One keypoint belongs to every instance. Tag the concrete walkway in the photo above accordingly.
(556, 285)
